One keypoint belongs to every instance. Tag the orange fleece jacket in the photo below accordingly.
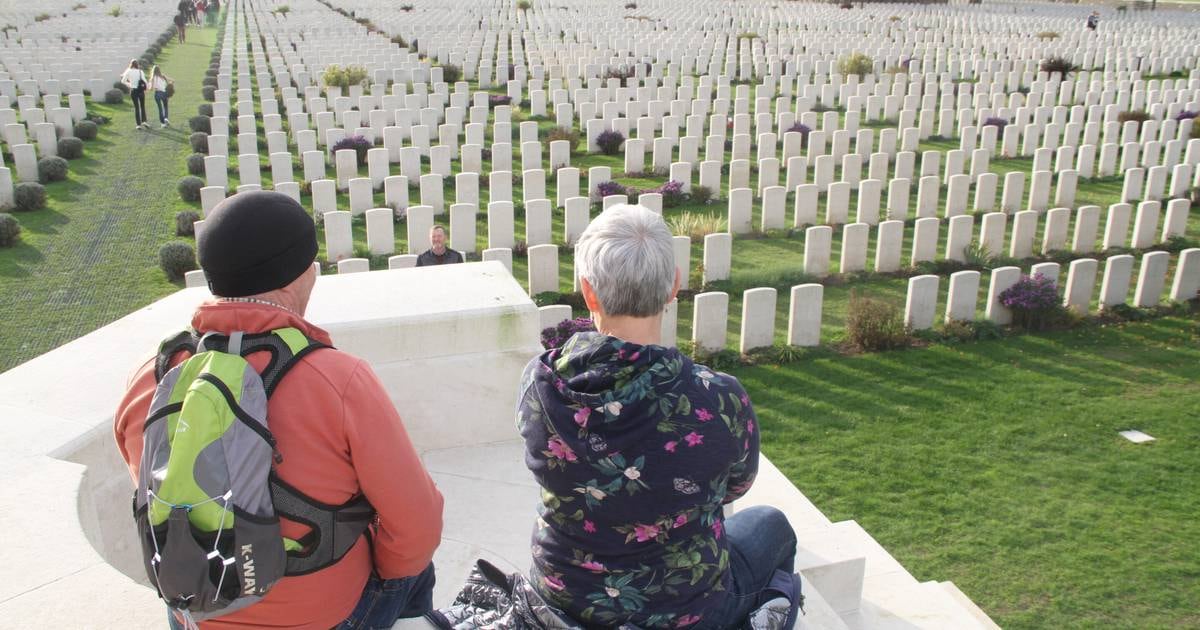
(339, 435)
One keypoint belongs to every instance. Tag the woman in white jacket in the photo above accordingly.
(159, 83)
(135, 80)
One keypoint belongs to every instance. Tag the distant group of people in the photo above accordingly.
(195, 13)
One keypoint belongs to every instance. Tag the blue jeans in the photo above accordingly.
(160, 99)
(383, 602)
(760, 541)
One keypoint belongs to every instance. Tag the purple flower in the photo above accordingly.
(801, 129)
(995, 121)
(555, 337)
(1186, 115)
(610, 187)
(610, 141)
(495, 100)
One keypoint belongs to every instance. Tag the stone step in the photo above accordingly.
(772, 488)
(968, 605)
(892, 602)
(839, 558)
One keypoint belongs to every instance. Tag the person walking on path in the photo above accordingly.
(181, 26)
(1093, 20)
(135, 80)
(160, 82)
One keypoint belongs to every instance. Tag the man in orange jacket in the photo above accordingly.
(336, 429)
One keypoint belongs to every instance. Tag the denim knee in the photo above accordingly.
(771, 523)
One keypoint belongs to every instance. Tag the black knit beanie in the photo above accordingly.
(254, 242)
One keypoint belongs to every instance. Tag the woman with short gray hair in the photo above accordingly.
(637, 449)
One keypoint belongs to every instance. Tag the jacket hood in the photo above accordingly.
(226, 317)
(597, 390)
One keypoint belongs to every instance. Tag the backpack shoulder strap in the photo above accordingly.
(286, 345)
(186, 340)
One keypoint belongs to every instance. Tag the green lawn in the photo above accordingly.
(91, 256)
(997, 465)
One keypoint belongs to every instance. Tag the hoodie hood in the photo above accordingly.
(598, 388)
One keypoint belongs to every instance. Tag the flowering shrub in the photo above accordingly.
(672, 193)
(496, 100)
(610, 187)
(803, 130)
(995, 121)
(1186, 115)
(1032, 300)
(610, 141)
(556, 336)
(359, 144)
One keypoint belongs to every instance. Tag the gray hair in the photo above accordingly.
(627, 255)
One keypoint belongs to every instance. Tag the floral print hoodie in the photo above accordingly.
(636, 449)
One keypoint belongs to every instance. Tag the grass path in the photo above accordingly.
(91, 256)
(997, 465)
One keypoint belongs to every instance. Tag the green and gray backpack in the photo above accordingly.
(208, 500)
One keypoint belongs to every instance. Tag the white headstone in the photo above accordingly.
(758, 318)
(804, 319)
(710, 321)
(921, 304)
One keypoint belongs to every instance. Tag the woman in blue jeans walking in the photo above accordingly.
(637, 450)
(160, 83)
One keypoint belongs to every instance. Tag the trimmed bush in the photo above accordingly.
(209, 93)
(199, 142)
(524, 5)
(451, 73)
(873, 325)
(70, 148)
(997, 122)
(10, 229)
(399, 41)
(189, 188)
(185, 223)
(52, 169)
(701, 194)
(114, 97)
(556, 336)
(1047, 35)
(86, 130)
(359, 144)
(200, 123)
(803, 130)
(1136, 115)
(856, 63)
(29, 196)
(176, 259)
(1034, 301)
(610, 141)
(610, 188)
(1059, 65)
(564, 133)
(672, 193)
(195, 164)
(205, 109)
